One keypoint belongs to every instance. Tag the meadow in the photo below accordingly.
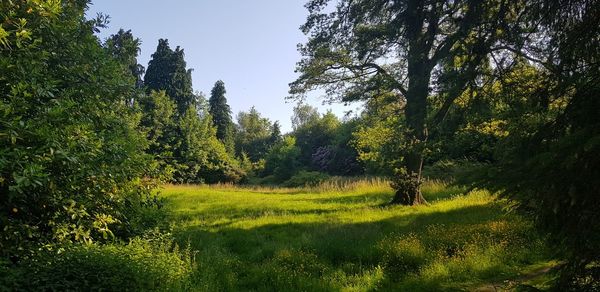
(343, 236)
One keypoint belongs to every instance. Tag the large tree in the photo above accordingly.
(550, 160)
(304, 114)
(167, 71)
(253, 134)
(361, 49)
(126, 48)
(221, 114)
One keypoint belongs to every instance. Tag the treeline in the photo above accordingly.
(87, 133)
(195, 140)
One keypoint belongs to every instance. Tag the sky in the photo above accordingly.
(250, 45)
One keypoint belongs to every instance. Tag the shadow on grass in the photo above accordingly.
(334, 248)
(371, 199)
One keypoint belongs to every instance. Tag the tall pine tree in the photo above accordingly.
(221, 114)
(124, 47)
(167, 71)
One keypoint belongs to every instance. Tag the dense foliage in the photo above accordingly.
(184, 139)
(255, 135)
(221, 114)
(72, 161)
(512, 84)
(167, 71)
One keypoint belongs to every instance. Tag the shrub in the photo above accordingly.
(306, 178)
(71, 154)
(142, 265)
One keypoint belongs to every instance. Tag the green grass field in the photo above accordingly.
(343, 237)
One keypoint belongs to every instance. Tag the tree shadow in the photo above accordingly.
(370, 198)
(343, 247)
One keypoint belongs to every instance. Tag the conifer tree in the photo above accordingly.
(221, 114)
(275, 134)
(124, 47)
(167, 71)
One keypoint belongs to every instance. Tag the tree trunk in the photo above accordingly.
(407, 184)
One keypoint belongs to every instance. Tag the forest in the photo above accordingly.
(473, 164)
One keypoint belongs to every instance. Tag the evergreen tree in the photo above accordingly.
(158, 122)
(275, 134)
(125, 48)
(221, 114)
(167, 71)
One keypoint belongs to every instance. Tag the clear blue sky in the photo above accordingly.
(250, 45)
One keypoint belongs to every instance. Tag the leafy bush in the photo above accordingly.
(71, 154)
(306, 178)
(145, 264)
(282, 160)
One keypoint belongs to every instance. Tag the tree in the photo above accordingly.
(159, 123)
(221, 114)
(72, 159)
(253, 134)
(318, 132)
(548, 163)
(125, 48)
(167, 71)
(275, 136)
(184, 142)
(368, 48)
(282, 159)
(304, 114)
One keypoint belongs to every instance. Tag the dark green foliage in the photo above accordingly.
(306, 178)
(325, 146)
(221, 115)
(125, 48)
(314, 134)
(158, 121)
(145, 264)
(255, 135)
(548, 161)
(322, 142)
(167, 71)
(275, 134)
(282, 161)
(201, 156)
(72, 158)
(183, 139)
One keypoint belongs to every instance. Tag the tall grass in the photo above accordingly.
(341, 235)
(333, 184)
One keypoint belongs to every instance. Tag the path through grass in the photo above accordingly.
(336, 238)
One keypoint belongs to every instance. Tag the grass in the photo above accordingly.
(342, 236)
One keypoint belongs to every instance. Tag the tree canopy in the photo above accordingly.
(167, 71)
(221, 114)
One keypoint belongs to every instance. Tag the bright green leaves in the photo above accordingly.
(71, 153)
(4, 37)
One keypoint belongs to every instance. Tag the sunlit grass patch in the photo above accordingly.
(343, 236)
